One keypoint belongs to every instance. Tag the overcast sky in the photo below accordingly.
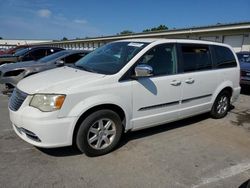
(55, 19)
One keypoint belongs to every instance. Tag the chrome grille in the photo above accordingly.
(16, 99)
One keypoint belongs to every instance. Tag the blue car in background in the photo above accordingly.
(244, 59)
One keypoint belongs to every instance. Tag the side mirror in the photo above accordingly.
(59, 62)
(143, 70)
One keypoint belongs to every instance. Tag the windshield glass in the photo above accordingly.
(53, 56)
(244, 58)
(110, 58)
(21, 52)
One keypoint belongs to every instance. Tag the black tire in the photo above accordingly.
(83, 134)
(225, 97)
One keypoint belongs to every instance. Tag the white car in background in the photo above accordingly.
(121, 86)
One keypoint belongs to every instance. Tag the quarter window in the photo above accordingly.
(196, 58)
(52, 50)
(224, 57)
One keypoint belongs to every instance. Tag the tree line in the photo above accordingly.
(127, 32)
(153, 29)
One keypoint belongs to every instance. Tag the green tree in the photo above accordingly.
(159, 28)
(146, 30)
(126, 32)
(64, 38)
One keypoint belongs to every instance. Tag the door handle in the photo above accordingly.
(189, 81)
(175, 83)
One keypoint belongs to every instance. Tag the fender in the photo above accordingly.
(222, 86)
(90, 102)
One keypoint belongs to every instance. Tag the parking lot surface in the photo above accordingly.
(195, 152)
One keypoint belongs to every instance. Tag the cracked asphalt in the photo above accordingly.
(195, 152)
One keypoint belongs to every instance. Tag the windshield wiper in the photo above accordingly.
(85, 68)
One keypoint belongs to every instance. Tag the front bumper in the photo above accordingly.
(10, 80)
(10, 84)
(42, 129)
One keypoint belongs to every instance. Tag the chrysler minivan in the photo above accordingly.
(124, 86)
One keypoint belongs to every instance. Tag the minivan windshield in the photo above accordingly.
(54, 56)
(110, 58)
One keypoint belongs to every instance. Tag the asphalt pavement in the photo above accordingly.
(195, 152)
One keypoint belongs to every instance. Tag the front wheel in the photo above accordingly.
(221, 105)
(99, 133)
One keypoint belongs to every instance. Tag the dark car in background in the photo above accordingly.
(28, 54)
(2, 50)
(11, 74)
(244, 59)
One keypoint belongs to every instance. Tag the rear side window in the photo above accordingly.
(223, 57)
(196, 58)
(38, 53)
(34, 54)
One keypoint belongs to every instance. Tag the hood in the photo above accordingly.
(17, 65)
(245, 66)
(59, 80)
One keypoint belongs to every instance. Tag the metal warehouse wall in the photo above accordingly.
(239, 40)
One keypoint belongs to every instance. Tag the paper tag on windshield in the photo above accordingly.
(134, 44)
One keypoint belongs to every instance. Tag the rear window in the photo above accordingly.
(223, 57)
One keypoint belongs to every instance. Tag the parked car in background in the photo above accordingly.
(244, 59)
(13, 50)
(28, 54)
(122, 86)
(2, 50)
(11, 74)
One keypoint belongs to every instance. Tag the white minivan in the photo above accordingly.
(121, 86)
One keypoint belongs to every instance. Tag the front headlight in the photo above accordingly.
(47, 102)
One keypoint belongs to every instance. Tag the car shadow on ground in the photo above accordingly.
(61, 152)
(129, 136)
(161, 128)
(245, 184)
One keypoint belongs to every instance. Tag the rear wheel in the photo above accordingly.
(221, 105)
(99, 133)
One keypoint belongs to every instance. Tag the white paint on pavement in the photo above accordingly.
(225, 173)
